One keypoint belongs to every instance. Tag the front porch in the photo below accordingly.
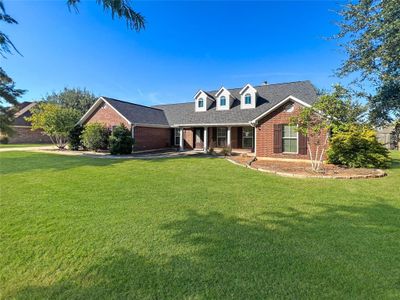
(240, 139)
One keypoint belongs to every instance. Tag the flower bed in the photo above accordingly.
(303, 169)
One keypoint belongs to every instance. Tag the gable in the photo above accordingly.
(106, 115)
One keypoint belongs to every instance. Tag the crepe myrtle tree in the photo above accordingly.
(331, 110)
(55, 121)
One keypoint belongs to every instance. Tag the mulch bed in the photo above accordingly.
(303, 169)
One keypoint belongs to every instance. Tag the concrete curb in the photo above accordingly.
(380, 174)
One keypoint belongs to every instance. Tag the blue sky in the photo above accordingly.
(186, 46)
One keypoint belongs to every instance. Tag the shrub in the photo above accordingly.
(226, 151)
(121, 141)
(74, 138)
(95, 136)
(4, 140)
(357, 147)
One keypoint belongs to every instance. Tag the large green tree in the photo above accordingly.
(370, 35)
(76, 98)
(8, 92)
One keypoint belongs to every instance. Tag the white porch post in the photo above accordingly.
(181, 147)
(205, 143)
(228, 137)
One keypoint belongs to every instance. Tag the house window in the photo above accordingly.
(177, 136)
(221, 137)
(289, 139)
(247, 99)
(247, 137)
(201, 102)
(222, 101)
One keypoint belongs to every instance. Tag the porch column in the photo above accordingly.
(205, 143)
(181, 148)
(228, 137)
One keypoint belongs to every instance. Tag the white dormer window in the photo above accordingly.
(203, 101)
(248, 97)
(200, 103)
(222, 101)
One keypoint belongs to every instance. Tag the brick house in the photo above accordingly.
(253, 119)
(23, 133)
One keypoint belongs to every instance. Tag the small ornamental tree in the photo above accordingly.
(95, 136)
(121, 141)
(55, 121)
(316, 122)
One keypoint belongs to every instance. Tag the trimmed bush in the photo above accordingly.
(121, 141)
(357, 147)
(95, 136)
(74, 138)
(4, 140)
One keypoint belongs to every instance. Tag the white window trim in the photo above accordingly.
(220, 136)
(292, 138)
(252, 137)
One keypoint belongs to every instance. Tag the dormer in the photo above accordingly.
(224, 99)
(203, 101)
(248, 97)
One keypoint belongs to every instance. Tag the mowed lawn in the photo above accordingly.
(76, 227)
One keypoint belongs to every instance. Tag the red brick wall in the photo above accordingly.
(265, 133)
(24, 135)
(147, 138)
(188, 135)
(108, 116)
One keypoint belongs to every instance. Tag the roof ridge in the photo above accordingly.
(105, 97)
(263, 85)
(178, 103)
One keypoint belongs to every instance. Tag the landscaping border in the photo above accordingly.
(248, 165)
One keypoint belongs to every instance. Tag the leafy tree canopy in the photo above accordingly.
(331, 111)
(56, 121)
(370, 36)
(8, 92)
(78, 99)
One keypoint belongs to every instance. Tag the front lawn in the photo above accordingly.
(76, 227)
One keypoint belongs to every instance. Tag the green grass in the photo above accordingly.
(23, 145)
(75, 227)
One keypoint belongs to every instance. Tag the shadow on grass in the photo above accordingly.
(18, 162)
(340, 252)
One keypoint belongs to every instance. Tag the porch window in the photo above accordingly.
(289, 139)
(177, 136)
(221, 137)
(247, 137)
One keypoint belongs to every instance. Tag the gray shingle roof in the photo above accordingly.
(137, 113)
(20, 118)
(185, 114)
(268, 96)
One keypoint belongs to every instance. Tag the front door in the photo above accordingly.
(198, 139)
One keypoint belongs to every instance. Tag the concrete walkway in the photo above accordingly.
(36, 148)
(141, 155)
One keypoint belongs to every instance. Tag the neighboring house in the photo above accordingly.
(253, 119)
(23, 129)
(388, 137)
